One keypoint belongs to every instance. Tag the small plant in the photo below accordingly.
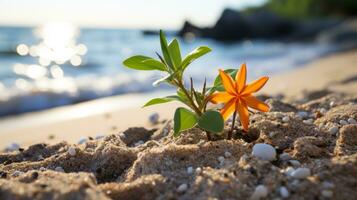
(171, 62)
(229, 88)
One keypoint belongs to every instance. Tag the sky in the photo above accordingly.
(117, 13)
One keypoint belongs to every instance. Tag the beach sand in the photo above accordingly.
(303, 148)
(337, 72)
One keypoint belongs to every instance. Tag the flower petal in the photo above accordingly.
(255, 103)
(255, 86)
(241, 78)
(228, 82)
(220, 97)
(228, 109)
(243, 112)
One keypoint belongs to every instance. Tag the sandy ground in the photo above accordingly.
(336, 72)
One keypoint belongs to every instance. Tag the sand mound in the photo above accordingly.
(316, 159)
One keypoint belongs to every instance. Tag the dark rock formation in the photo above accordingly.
(235, 25)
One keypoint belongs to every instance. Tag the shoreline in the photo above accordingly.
(84, 119)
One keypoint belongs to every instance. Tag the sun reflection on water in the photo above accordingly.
(57, 46)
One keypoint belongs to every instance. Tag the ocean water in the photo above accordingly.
(59, 64)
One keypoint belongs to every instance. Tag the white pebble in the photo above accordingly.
(59, 169)
(72, 151)
(332, 104)
(12, 147)
(189, 170)
(308, 121)
(289, 170)
(260, 192)
(198, 170)
(295, 163)
(138, 143)
(154, 118)
(82, 140)
(352, 121)
(99, 136)
(183, 187)
(327, 193)
(272, 134)
(327, 184)
(303, 114)
(284, 156)
(227, 154)
(286, 119)
(301, 173)
(264, 151)
(343, 122)
(16, 173)
(333, 130)
(323, 110)
(42, 169)
(284, 192)
(221, 159)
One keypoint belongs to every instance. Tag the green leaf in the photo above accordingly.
(144, 63)
(184, 119)
(175, 54)
(164, 49)
(155, 64)
(218, 86)
(211, 121)
(198, 52)
(161, 100)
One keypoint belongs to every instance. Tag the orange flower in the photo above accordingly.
(238, 96)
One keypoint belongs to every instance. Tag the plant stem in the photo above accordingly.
(232, 128)
(194, 107)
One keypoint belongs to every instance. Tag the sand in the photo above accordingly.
(316, 150)
(144, 163)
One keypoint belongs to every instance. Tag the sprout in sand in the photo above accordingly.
(237, 95)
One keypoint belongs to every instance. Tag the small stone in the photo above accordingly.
(154, 118)
(327, 184)
(303, 114)
(42, 169)
(138, 143)
(189, 170)
(72, 151)
(40, 157)
(12, 147)
(284, 192)
(343, 122)
(272, 134)
(198, 170)
(301, 173)
(332, 104)
(352, 121)
(289, 170)
(321, 126)
(264, 151)
(16, 173)
(260, 192)
(82, 140)
(284, 156)
(308, 121)
(327, 193)
(182, 188)
(295, 163)
(221, 159)
(227, 154)
(285, 119)
(323, 110)
(278, 115)
(333, 130)
(59, 169)
(99, 136)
